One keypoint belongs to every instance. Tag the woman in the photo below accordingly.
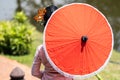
(49, 73)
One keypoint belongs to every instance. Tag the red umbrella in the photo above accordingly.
(78, 40)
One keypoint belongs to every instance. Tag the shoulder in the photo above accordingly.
(39, 47)
(38, 50)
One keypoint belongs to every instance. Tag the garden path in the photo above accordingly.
(7, 65)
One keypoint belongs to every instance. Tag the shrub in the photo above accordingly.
(16, 37)
(20, 17)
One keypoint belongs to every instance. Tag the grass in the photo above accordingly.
(111, 71)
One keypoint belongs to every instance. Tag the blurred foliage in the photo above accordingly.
(16, 35)
(20, 17)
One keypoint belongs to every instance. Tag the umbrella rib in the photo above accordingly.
(92, 61)
(95, 53)
(75, 26)
(70, 24)
(103, 47)
(68, 41)
(105, 33)
(93, 24)
(87, 51)
(99, 44)
(76, 55)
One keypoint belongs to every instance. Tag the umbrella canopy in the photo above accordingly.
(78, 40)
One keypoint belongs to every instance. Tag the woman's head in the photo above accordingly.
(45, 13)
(49, 11)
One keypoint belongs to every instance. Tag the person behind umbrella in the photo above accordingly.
(49, 73)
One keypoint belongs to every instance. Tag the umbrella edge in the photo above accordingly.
(71, 75)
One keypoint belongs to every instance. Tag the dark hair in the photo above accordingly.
(49, 11)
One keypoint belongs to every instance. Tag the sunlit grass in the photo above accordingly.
(115, 56)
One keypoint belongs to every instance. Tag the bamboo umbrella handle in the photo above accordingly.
(98, 77)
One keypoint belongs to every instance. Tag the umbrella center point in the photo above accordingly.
(84, 39)
(83, 42)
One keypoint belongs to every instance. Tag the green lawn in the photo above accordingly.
(111, 71)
